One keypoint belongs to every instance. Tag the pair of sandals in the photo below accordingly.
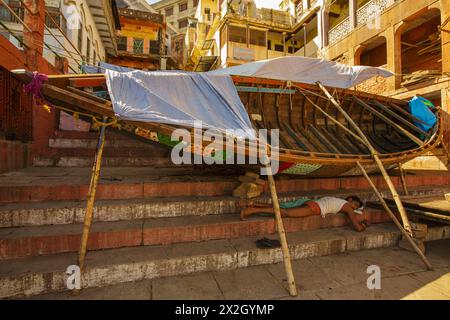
(265, 243)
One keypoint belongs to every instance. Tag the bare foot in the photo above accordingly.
(243, 213)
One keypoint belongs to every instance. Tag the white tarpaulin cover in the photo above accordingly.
(181, 98)
(306, 70)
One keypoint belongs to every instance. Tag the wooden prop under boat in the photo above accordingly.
(315, 138)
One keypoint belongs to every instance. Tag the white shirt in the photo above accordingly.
(330, 205)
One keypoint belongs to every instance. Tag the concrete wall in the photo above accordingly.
(80, 7)
(161, 7)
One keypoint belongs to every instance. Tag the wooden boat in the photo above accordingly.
(315, 138)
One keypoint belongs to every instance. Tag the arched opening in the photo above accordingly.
(421, 50)
(373, 53)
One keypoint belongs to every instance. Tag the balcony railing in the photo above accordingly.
(54, 18)
(339, 31)
(368, 13)
(371, 10)
(7, 16)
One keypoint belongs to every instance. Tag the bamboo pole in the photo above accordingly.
(375, 156)
(402, 178)
(394, 218)
(91, 196)
(282, 234)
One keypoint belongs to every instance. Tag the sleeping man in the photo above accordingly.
(305, 207)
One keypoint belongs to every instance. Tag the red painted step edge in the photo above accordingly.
(109, 191)
(40, 245)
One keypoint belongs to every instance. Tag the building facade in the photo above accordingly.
(407, 37)
(76, 32)
(239, 32)
(179, 17)
(141, 40)
(177, 12)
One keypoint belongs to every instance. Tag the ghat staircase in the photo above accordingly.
(153, 219)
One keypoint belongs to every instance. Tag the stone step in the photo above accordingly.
(111, 134)
(48, 184)
(107, 161)
(22, 214)
(67, 143)
(67, 212)
(45, 274)
(33, 241)
(108, 152)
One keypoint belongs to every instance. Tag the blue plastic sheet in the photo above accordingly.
(420, 108)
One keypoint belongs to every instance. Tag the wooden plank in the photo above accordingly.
(395, 125)
(87, 82)
(399, 118)
(335, 141)
(302, 139)
(77, 101)
(295, 138)
(406, 113)
(323, 139)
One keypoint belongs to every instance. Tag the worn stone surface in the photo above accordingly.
(255, 284)
(341, 276)
(194, 287)
(308, 275)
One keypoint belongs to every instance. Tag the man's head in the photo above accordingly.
(354, 202)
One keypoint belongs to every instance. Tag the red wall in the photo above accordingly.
(44, 123)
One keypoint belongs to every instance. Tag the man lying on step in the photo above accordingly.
(300, 208)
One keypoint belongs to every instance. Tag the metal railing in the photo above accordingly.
(54, 15)
(7, 16)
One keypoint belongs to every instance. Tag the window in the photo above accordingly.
(183, 7)
(269, 44)
(237, 34)
(94, 57)
(154, 47)
(291, 49)
(258, 37)
(169, 12)
(80, 37)
(207, 14)
(182, 23)
(279, 47)
(122, 43)
(138, 46)
(195, 3)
